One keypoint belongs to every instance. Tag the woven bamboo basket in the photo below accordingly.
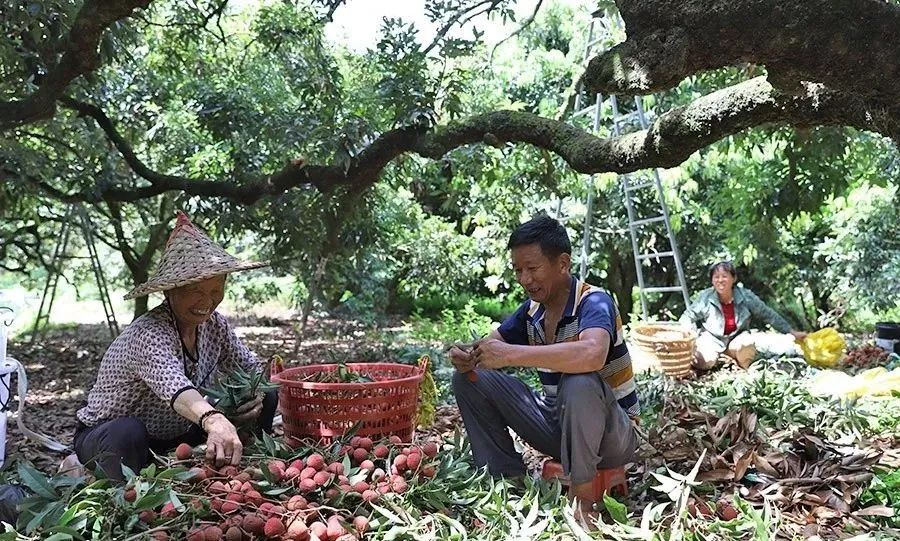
(670, 346)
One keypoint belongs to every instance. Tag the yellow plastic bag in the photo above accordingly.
(873, 382)
(823, 348)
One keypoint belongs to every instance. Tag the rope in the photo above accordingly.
(36, 437)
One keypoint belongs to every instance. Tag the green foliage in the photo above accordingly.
(776, 391)
(452, 326)
(884, 490)
(234, 95)
(237, 386)
(428, 397)
(248, 290)
(863, 255)
(66, 508)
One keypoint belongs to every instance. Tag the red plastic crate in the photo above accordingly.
(325, 411)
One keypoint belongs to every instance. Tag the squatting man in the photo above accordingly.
(571, 332)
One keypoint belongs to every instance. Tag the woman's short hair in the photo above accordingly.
(722, 265)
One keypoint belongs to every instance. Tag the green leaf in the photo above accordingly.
(171, 473)
(46, 513)
(388, 514)
(617, 509)
(36, 481)
(71, 513)
(277, 491)
(173, 497)
(69, 533)
(151, 500)
(128, 473)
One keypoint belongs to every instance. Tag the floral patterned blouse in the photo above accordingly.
(145, 369)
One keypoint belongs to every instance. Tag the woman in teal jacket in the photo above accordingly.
(722, 315)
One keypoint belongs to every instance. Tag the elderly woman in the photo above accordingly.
(146, 395)
(722, 315)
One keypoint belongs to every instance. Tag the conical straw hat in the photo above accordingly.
(190, 257)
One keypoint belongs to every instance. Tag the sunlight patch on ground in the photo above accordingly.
(244, 331)
(40, 396)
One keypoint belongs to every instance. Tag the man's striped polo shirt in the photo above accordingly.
(588, 307)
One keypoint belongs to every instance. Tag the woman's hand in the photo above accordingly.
(248, 412)
(223, 446)
(798, 335)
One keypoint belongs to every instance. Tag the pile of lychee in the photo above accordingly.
(308, 498)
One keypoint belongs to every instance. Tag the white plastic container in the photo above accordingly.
(6, 368)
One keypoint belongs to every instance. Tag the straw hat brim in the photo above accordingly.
(158, 284)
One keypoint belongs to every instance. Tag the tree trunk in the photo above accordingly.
(315, 287)
(139, 276)
(621, 279)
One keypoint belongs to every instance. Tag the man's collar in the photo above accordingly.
(537, 310)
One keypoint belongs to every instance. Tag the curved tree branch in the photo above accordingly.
(79, 56)
(670, 139)
(851, 46)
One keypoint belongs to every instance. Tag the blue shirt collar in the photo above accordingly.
(537, 309)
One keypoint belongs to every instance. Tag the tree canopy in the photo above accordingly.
(398, 169)
(831, 65)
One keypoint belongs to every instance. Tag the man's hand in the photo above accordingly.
(223, 446)
(491, 353)
(248, 412)
(462, 360)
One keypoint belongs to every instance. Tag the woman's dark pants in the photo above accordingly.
(125, 441)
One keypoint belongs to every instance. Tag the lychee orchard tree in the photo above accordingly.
(343, 165)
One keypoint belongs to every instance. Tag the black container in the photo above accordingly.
(887, 336)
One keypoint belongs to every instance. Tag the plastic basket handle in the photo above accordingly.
(276, 365)
(424, 360)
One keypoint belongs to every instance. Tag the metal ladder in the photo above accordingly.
(77, 214)
(600, 30)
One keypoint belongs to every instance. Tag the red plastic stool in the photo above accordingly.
(610, 480)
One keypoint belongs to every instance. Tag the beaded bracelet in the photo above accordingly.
(206, 415)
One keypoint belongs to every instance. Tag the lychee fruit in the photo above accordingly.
(234, 534)
(318, 529)
(316, 461)
(322, 478)
(307, 485)
(147, 517)
(168, 510)
(335, 529)
(274, 527)
(184, 451)
(297, 530)
(254, 523)
(212, 533)
(361, 524)
(430, 449)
